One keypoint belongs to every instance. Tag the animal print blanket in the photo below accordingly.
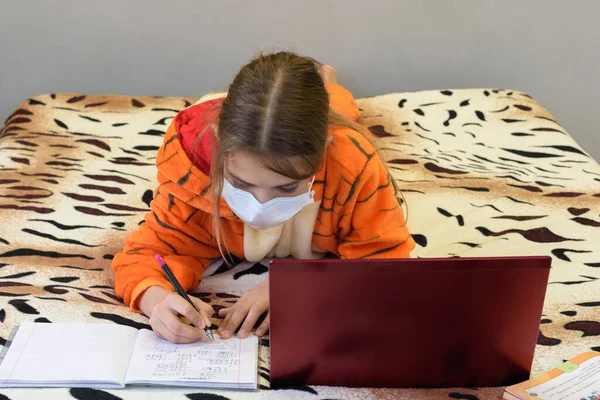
(484, 173)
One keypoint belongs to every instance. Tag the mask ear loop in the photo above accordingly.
(310, 185)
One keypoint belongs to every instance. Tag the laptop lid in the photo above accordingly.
(444, 322)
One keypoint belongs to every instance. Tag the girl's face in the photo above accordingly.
(244, 171)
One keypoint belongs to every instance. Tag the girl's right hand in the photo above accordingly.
(165, 308)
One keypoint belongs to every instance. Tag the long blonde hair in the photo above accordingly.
(276, 108)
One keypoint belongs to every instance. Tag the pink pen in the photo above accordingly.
(180, 290)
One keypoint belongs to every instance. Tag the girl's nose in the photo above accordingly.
(262, 195)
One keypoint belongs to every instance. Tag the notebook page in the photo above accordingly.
(63, 354)
(230, 363)
(581, 383)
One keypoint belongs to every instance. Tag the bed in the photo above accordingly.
(484, 172)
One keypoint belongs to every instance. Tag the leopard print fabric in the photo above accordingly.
(484, 173)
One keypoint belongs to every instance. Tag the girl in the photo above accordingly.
(276, 167)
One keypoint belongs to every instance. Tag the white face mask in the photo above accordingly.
(272, 213)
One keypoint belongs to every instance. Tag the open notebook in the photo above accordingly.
(112, 356)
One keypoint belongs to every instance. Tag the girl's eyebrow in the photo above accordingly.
(239, 179)
(249, 184)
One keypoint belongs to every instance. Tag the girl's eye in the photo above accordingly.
(288, 191)
(239, 185)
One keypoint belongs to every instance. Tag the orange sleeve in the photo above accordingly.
(176, 231)
(341, 100)
(371, 221)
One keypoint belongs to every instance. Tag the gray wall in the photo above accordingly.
(548, 48)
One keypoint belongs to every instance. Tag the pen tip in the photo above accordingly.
(209, 334)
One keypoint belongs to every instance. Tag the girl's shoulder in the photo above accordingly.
(349, 150)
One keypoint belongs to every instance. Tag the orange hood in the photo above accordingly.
(187, 180)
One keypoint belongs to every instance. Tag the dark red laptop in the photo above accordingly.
(452, 322)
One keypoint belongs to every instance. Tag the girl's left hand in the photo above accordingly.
(247, 310)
